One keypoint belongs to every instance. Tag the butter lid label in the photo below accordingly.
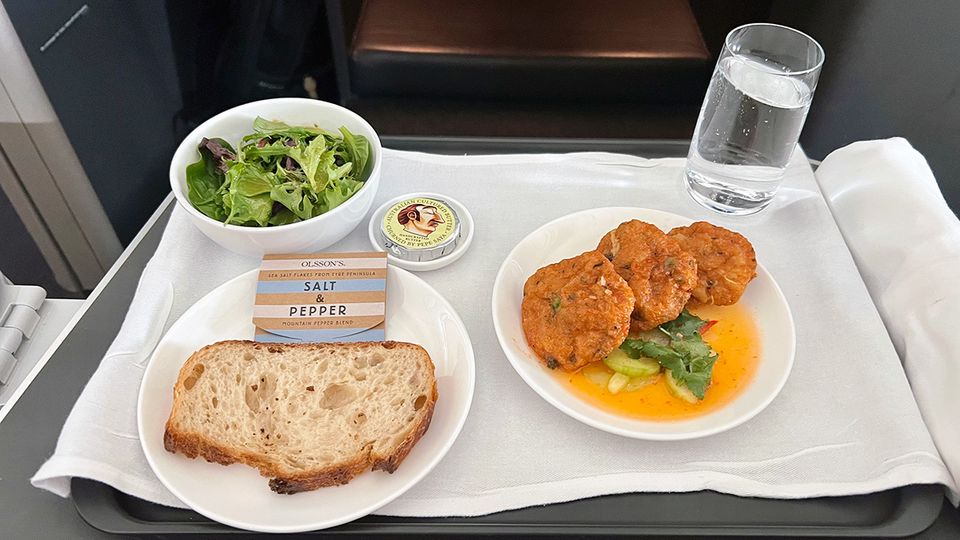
(420, 223)
(321, 297)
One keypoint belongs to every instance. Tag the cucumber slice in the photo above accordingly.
(637, 383)
(617, 383)
(598, 374)
(631, 367)
(679, 390)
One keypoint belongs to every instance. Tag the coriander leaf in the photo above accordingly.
(697, 364)
(668, 358)
(696, 382)
(693, 346)
(632, 347)
(685, 325)
(555, 303)
(636, 348)
(703, 364)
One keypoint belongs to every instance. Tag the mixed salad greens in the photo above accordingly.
(281, 174)
(677, 347)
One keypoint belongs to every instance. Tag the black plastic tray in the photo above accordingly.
(898, 512)
(893, 513)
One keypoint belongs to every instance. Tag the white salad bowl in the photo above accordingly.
(309, 235)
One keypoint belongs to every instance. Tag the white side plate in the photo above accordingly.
(237, 495)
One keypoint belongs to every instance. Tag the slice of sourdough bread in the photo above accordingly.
(305, 415)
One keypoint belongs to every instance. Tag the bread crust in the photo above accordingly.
(193, 445)
(391, 462)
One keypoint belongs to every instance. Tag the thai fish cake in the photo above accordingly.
(661, 274)
(576, 311)
(726, 261)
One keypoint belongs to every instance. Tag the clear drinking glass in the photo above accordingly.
(751, 117)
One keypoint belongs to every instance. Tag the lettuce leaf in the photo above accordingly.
(340, 191)
(313, 158)
(272, 128)
(358, 147)
(246, 210)
(202, 190)
(291, 196)
(283, 217)
(249, 181)
(217, 154)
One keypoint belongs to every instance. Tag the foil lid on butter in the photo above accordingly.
(420, 229)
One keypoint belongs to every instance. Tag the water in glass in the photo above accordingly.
(748, 128)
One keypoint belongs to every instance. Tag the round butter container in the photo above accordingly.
(421, 231)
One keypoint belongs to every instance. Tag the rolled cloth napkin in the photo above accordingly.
(844, 423)
(906, 243)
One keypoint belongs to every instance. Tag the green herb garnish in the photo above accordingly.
(688, 357)
(281, 174)
(685, 325)
(555, 303)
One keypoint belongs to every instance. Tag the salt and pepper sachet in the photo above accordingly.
(321, 297)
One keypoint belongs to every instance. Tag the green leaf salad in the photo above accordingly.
(281, 174)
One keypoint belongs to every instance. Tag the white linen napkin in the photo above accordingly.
(99, 439)
(906, 243)
(845, 422)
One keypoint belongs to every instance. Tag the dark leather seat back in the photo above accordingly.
(530, 49)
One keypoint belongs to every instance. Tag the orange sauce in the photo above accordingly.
(735, 340)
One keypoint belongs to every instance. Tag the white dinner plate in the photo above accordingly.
(573, 234)
(237, 495)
